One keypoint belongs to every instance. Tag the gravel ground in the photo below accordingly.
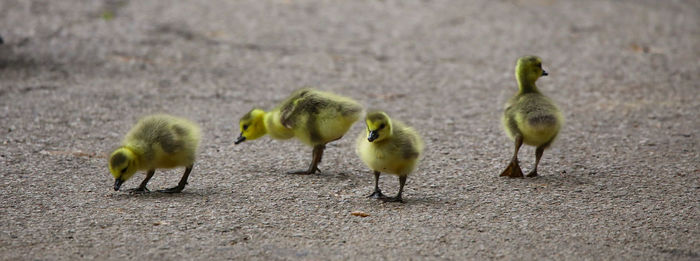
(621, 182)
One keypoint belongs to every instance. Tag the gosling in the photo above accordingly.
(530, 117)
(313, 117)
(156, 141)
(388, 146)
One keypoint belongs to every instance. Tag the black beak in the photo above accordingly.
(117, 184)
(544, 73)
(373, 135)
(240, 139)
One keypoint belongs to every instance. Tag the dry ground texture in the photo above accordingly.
(621, 182)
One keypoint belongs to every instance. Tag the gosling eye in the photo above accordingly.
(539, 65)
(382, 126)
(245, 127)
(124, 170)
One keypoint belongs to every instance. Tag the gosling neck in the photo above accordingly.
(137, 155)
(268, 119)
(526, 85)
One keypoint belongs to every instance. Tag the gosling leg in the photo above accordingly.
(538, 155)
(397, 198)
(142, 188)
(377, 192)
(316, 159)
(183, 181)
(513, 170)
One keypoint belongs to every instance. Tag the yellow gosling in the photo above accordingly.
(391, 147)
(530, 117)
(313, 117)
(156, 141)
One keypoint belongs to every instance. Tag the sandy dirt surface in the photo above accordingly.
(621, 182)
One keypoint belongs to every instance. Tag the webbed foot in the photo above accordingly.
(176, 189)
(532, 174)
(305, 171)
(513, 171)
(139, 190)
(392, 199)
(377, 195)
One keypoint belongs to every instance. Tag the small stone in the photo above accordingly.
(359, 214)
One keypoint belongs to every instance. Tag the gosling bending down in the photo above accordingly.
(156, 141)
(314, 117)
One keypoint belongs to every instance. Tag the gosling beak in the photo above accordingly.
(117, 184)
(240, 139)
(544, 73)
(373, 135)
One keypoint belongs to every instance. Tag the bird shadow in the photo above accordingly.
(193, 193)
(558, 179)
(431, 201)
(323, 174)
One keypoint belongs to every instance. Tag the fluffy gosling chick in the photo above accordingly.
(314, 117)
(156, 141)
(530, 117)
(389, 146)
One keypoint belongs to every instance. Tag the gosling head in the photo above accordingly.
(121, 165)
(378, 126)
(252, 126)
(529, 69)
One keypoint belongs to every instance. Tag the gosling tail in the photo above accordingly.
(542, 121)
